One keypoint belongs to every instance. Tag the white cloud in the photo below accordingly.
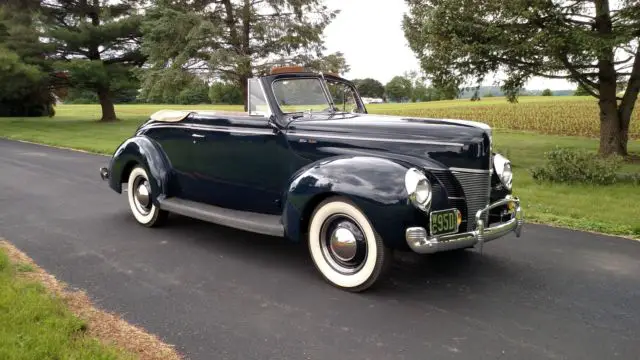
(370, 35)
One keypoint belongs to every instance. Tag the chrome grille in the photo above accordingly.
(476, 186)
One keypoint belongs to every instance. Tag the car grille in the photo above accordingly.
(476, 192)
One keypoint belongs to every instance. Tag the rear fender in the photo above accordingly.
(143, 151)
(374, 184)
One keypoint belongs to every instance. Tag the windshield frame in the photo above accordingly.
(349, 84)
(323, 85)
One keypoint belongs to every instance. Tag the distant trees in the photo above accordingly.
(399, 89)
(581, 91)
(226, 93)
(196, 92)
(369, 87)
(412, 87)
(547, 92)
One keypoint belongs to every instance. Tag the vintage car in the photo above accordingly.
(307, 162)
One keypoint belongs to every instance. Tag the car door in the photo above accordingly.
(177, 143)
(241, 162)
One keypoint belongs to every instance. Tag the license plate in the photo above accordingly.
(444, 222)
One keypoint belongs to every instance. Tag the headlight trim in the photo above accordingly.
(419, 189)
(503, 169)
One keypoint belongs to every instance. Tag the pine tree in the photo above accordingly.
(96, 44)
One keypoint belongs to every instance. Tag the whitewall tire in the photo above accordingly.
(344, 246)
(141, 199)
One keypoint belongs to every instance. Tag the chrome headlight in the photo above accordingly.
(502, 165)
(419, 188)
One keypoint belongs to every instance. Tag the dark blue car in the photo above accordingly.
(307, 162)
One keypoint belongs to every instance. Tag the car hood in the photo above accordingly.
(447, 143)
(414, 127)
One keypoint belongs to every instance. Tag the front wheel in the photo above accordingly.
(141, 199)
(344, 247)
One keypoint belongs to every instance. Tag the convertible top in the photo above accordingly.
(178, 115)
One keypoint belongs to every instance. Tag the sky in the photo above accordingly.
(370, 35)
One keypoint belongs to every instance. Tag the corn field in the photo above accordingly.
(578, 116)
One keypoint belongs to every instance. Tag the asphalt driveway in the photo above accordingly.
(218, 293)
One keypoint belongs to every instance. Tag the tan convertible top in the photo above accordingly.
(177, 115)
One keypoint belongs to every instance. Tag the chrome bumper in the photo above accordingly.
(420, 242)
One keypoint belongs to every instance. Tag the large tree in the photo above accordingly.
(25, 81)
(233, 40)
(593, 43)
(96, 43)
(399, 89)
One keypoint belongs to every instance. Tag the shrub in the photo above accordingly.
(226, 93)
(195, 93)
(578, 166)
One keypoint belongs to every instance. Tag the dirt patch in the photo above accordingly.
(107, 327)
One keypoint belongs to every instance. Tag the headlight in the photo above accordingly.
(418, 188)
(503, 168)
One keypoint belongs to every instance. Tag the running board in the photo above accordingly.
(244, 220)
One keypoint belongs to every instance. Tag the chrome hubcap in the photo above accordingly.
(343, 244)
(142, 195)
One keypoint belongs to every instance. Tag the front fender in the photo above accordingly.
(143, 151)
(374, 184)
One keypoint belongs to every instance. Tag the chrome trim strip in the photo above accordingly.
(362, 138)
(213, 128)
(424, 244)
(476, 171)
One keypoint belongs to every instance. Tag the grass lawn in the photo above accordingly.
(36, 325)
(611, 209)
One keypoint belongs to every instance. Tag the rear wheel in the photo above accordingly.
(344, 247)
(141, 199)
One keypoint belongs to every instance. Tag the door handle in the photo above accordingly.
(197, 136)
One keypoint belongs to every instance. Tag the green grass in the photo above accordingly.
(608, 209)
(611, 209)
(36, 325)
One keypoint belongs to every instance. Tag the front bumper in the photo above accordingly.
(420, 242)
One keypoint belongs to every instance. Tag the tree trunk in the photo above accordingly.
(108, 110)
(613, 138)
(613, 132)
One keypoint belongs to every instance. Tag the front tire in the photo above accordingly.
(344, 246)
(141, 199)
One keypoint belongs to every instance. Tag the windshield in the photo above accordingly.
(299, 95)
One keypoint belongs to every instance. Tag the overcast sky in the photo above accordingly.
(369, 33)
